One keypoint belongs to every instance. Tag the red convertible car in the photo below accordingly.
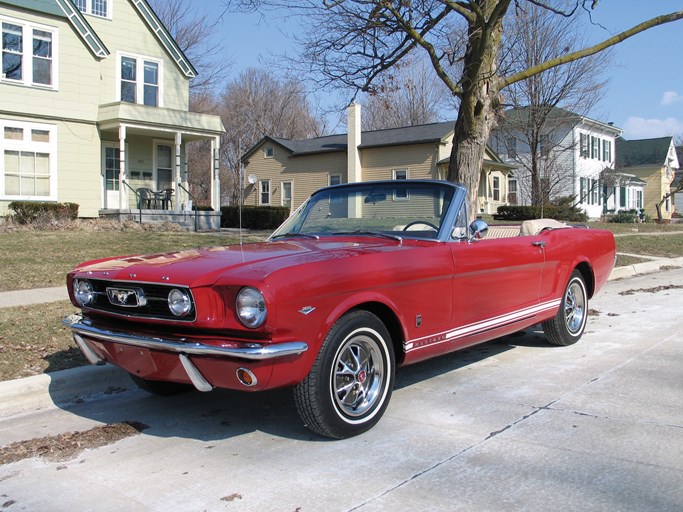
(362, 278)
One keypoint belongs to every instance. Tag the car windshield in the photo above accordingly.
(396, 209)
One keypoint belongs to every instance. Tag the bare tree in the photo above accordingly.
(408, 96)
(254, 105)
(352, 42)
(193, 30)
(537, 119)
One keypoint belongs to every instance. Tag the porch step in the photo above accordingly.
(188, 220)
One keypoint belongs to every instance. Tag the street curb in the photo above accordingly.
(644, 268)
(61, 388)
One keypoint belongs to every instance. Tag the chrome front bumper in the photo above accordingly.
(254, 351)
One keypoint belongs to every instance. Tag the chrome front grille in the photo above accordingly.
(133, 299)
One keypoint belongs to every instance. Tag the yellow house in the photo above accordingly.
(94, 102)
(655, 162)
(284, 172)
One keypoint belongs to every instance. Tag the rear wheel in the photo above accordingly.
(567, 327)
(160, 387)
(349, 387)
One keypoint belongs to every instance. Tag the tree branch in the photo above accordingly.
(592, 50)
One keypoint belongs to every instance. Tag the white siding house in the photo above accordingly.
(571, 155)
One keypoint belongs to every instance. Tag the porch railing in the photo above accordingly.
(189, 194)
(137, 198)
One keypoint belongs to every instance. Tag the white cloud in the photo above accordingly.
(639, 128)
(669, 98)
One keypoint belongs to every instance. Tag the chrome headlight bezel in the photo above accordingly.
(84, 292)
(250, 306)
(179, 302)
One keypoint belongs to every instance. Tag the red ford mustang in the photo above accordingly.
(362, 278)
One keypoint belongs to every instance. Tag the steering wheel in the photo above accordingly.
(423, 222)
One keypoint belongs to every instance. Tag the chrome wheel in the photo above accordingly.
(575, 307)
(568, 324)
(358, 378)
(349, 386)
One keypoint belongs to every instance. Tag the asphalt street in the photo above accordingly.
(513, 424)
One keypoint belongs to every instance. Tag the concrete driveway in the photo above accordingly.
(510, 425)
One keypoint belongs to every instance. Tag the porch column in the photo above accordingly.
(123, 189)
(180, 198)
(215, 174)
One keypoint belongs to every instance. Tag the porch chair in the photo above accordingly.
(165, 197)
(146, 198)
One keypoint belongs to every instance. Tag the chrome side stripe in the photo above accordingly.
(482, 326)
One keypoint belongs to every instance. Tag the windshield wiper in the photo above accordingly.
(296, 235)
(371, 233)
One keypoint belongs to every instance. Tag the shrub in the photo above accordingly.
(28, 212)
(201, 208)
(562, 209)
(625, 217)
(254, 217)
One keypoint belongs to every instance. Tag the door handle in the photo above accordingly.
(538, 244)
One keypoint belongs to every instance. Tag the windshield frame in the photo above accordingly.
(451, 192)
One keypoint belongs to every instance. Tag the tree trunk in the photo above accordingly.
(479, 104)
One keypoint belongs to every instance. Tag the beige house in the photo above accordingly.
(284, 172)
(655, 162)
(94, 107)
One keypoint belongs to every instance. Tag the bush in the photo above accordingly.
(201, 208)
(625, 217)
(28, 212)
(562, 209)
(254, 217)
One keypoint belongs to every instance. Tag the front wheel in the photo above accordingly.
(350, 384)
(567, 326)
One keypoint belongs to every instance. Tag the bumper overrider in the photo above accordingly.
(84, 329)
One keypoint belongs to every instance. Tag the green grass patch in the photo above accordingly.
(665, 246)
(33, 340)
(38, 259)
(623, 261)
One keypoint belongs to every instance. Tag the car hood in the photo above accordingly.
(203, 267)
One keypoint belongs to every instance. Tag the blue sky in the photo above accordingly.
(644, 95)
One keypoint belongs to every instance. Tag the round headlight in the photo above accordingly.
(179, 302)
(83, 292)
(251, 307)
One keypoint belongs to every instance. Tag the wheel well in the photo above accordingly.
(588, 277)
(391, 322)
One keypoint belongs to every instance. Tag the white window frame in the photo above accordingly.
(268, 152)
(495, 187)
(330, 178)
(27, 145)
(261, 192)
(28, 28)
(140, 77)
(510, 191)
(395, 173)
(89, 8)
(607, 151)
(291, 191)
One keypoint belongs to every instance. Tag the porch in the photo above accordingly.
(146, 167)
(190, 220)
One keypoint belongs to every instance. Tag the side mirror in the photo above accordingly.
(478, 230)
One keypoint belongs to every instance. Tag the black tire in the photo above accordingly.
(567, 326)
(350, 384)
(160, 387)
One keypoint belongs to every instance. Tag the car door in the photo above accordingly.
(496, 282)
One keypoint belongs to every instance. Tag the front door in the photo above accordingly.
(164, 167)
(496, 283)
(111, 171)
